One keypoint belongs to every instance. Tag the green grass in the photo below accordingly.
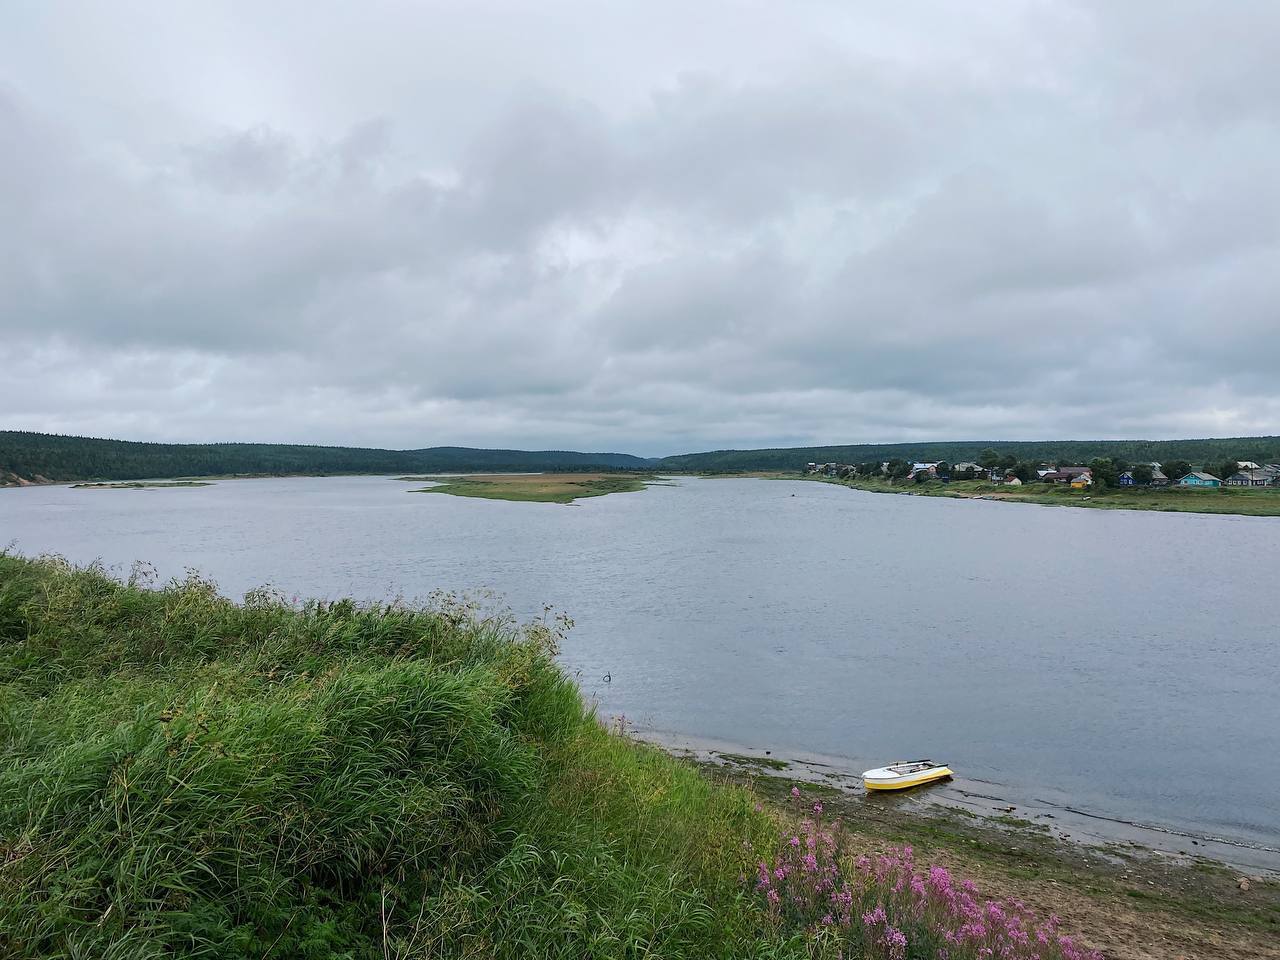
(184, 776)
(1243, 501)
(743, 760)
(539, 488)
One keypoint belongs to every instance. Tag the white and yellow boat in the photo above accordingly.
(902, 774)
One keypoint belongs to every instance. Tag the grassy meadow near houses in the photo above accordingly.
(1249, 488)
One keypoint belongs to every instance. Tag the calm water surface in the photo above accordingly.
(1123, 662)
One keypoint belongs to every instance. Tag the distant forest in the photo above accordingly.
(42, 456)
(1196, 452)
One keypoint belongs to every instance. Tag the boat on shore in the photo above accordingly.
(902, 774)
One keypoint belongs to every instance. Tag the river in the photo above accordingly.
(1122, 664)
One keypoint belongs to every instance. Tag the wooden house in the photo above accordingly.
(1199, 479)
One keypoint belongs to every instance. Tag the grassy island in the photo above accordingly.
(141, 484)
(537, 487)
(181, 775)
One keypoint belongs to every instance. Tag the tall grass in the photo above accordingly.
(184, 775)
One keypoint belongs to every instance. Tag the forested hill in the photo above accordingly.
(1196, 452)
(41, 456)
(37, 457)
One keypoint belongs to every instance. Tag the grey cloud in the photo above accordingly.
(604, 229)
(244, 161)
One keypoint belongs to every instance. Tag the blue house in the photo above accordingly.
(1199, 479)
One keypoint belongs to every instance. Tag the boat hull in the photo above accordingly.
(887, 780)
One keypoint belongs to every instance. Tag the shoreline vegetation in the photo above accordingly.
(561, 488)
(181, 774)
(1135, 904)
(142, 484)
(1238, 501)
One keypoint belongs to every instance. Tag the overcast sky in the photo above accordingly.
(652, 227)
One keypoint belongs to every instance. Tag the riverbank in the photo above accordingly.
(183, 774)
(537, 487)
(1131, 901)
(1240, 501)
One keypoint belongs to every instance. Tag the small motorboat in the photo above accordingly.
(902, 774)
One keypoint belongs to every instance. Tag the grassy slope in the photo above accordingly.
(183, 775)
(1256, 502)
(540, 488)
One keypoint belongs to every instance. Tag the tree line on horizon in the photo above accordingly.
(35, 456)
(1007, 455)
(54, 457)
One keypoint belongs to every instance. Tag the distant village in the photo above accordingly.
(1244, 473)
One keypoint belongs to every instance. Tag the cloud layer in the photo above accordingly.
(651, 228)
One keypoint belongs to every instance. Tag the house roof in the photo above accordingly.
(1200, 475)
(1075, 471)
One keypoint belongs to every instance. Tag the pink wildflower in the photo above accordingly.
(895, 942)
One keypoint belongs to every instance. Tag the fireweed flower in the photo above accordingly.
(817, 888)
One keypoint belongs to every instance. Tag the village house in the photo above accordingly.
(1199, 478)
(1249, 478)
(1158, 479)
(1067, 475)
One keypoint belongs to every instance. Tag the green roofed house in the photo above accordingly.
(1199, 479)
